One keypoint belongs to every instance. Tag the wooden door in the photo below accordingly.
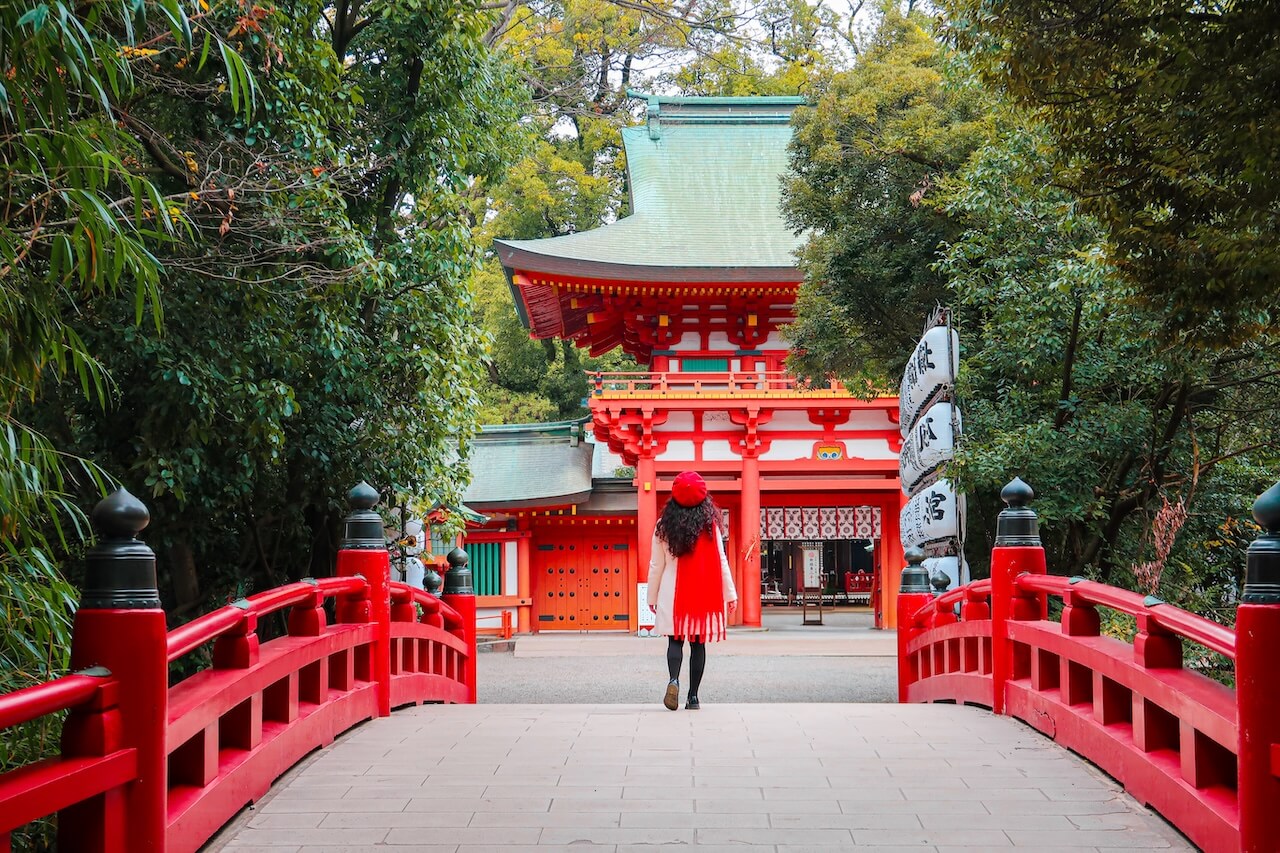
(582, 583)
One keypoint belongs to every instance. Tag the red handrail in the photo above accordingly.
(978, 590)
(1207, 633)
(30, 703)
(187, 638)
(431, 604)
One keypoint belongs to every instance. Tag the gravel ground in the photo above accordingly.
(625, 679)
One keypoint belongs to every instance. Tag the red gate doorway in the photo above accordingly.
(582, 583)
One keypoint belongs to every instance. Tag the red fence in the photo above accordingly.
(149, 767)
(1204, 755)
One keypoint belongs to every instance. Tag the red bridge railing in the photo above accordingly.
(150, 767)
(1204, 755)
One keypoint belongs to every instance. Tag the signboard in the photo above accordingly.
(648, 619)
(813, 567)
(932, 516)
(930, 372)
(930, 443)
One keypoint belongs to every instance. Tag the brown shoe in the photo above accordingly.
(672, 698)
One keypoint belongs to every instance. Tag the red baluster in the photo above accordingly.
(1257, 688)
(1017, 550)
(364, 552)
(461, 596)
(913, 594)
(120, 626)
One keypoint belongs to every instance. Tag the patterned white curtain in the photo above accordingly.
(841, 522)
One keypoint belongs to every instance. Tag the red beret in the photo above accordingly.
(689, 489)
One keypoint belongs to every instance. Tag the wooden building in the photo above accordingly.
(695, 283)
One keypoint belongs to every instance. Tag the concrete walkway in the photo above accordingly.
(843, 633)
(508, 778)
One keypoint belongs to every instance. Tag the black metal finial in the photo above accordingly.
(362, 528)
(362, 496)
(915, 577)
(431, 580)
(1017, 493)
(120, 571)
(457, 581)
(1017, 525)
(1262, 564)
(939, 580)
(120, 516)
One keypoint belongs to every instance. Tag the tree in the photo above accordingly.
(917, 189)
(864, 161)
(82, 221)
(1164, 122)
(318, 321)
(1124, 441)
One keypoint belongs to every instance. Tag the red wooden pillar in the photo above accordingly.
(646, 514)
(891, 564)
(1257, 689)
(1017, 550)
(461, 596)
(749, 540)
(646, 521)
(913, 594)
(524, 574)
(363, 552)
(121, 627)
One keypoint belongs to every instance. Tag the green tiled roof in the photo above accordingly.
(704, 176)
(530, 465)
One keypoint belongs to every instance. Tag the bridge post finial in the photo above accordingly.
(364, 552)
(461, 596)
(1018, 524)
(915, 577)
(1257, 690)
(913, 594)
(120, 570)
(120, 626)
(457, 581)
(1262, 568)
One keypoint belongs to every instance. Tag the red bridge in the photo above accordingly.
(146, 765)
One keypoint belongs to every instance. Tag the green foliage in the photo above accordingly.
(864, 161)
(290, 186)
(917, 188)
(1075, 399)
(1164, 121)
(318, 322)
(83, 222)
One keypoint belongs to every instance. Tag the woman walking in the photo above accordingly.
(689, 582)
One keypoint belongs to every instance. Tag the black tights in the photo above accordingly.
(697, 661)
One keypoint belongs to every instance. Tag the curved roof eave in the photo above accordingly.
(514, 257)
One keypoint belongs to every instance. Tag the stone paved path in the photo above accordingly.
(509, 778)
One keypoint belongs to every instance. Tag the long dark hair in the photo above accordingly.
(680, 526)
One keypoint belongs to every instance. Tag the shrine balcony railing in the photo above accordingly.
(1203, 754)
(149, 766)
(732, 384)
